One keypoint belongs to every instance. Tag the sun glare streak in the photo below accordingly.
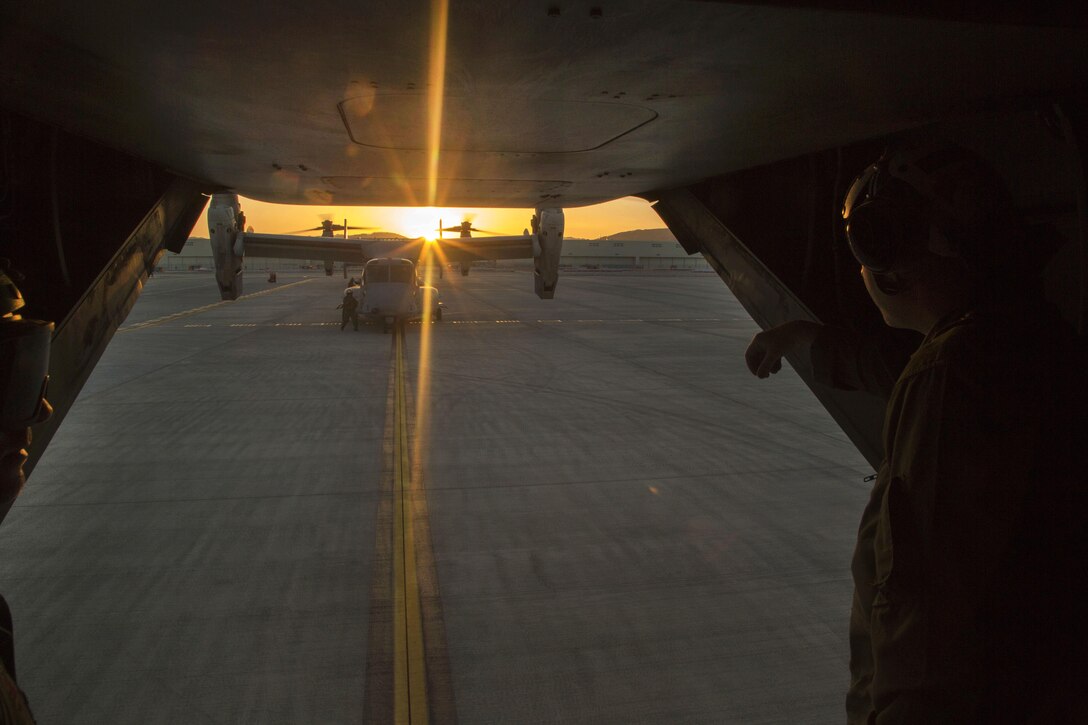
(426, 328)
(425, 265)
(437, 91)
(436, 250)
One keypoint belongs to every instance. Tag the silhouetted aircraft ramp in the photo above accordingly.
(600, 536)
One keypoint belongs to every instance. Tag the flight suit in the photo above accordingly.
(349, 307)
(970, 563)
(13, 706)
(14, 709)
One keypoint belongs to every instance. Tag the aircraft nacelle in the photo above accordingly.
(225, 230)
(547, 247)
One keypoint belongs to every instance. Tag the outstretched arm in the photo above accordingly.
(841, 358)
(766, 350)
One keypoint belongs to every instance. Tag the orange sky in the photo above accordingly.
(587, 222)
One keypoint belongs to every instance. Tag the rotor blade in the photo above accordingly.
(449, 229)
(484, 231)
(303, 231)
(360, 227)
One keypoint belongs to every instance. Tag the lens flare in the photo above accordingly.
(437, 91)
(427, 252)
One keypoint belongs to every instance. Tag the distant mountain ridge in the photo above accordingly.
(379, 235)
(641, 235)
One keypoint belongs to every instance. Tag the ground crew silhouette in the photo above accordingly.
(350, 310)
(24, 366)
(971, 562)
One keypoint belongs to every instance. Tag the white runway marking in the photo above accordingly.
(197, 310)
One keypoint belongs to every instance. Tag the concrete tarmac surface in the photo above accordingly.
(617, 524)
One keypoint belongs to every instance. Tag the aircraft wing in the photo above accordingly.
(288, 246)
(459, 250)
(332, 249)
(358, 251)
(402, 248)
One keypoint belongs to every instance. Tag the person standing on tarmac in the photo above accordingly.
(971, 565)
(349, 307)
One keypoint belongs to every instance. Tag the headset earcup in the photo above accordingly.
(881, 233)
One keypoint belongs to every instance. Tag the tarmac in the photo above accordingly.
(614, 521)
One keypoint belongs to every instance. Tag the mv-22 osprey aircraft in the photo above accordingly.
(231, 242)
(399, 297)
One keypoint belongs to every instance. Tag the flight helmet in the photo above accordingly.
(943, 200)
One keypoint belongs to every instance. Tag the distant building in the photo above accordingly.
(629, 254)
(196, 254)
(623, 253)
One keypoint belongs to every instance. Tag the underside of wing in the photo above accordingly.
(285, 246)
(470, 250)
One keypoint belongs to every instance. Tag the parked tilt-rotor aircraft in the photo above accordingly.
(742, 122)
(230, 243)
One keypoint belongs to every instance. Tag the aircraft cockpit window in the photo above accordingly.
(401, 273)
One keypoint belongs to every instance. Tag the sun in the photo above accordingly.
(423, 221)
(416, 222)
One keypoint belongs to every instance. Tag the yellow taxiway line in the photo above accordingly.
(409, 665)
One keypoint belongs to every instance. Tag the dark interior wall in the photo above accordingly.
(66, 206)
(1055, 13)
(789, 213)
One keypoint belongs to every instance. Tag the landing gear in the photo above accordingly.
(437, 316)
